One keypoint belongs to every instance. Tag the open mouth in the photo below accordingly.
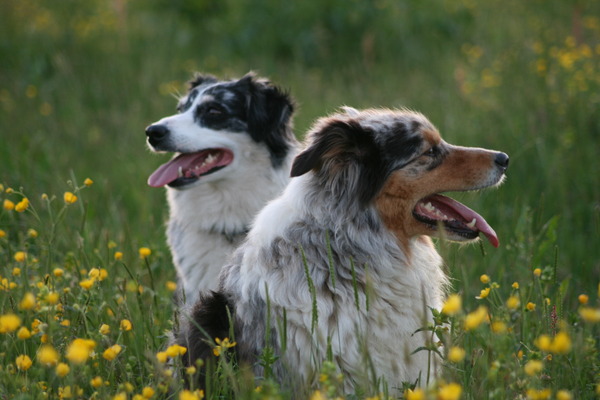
(458, 220)
(187, 168)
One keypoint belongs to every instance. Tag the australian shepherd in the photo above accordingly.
(341, 266)
(233, 146)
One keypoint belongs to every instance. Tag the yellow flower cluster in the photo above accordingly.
(560, 344)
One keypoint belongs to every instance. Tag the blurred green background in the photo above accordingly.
(80, 80)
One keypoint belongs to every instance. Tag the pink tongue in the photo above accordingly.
(452, 208)
(169, 171)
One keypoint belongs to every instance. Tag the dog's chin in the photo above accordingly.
(447, 218)
(184, 183)
(454, 231)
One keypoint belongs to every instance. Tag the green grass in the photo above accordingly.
(80, 81)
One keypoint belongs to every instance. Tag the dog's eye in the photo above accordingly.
(214, 111)
(432, 152)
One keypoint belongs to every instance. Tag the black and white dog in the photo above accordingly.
(233, 145)
(341, 266)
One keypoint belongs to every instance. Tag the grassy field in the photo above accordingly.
(79, 81)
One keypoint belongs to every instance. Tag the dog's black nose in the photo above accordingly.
(157, 132)
(501, 160)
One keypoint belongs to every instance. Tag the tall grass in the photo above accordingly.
(80, 81)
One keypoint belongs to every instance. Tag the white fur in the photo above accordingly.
(402, 293)
(228, 204)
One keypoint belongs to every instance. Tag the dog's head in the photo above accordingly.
(205, 133)
(396, 161)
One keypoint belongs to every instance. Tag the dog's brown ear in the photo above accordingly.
(346, 158)
(337, 144)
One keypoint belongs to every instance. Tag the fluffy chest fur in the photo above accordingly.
(209, 221)
(358, 292)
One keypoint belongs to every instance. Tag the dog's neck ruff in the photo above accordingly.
(231, 236)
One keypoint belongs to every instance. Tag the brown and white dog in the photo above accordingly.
(341, 265)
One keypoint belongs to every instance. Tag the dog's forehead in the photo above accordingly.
(213, 91)
(400, 125)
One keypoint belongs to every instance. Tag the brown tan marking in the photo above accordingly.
(463, 168)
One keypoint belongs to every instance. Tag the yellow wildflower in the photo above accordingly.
(22, 205)
(561, 344)
(23, 333)
(2, 233)
(69, 198)
(541, 394)
(144, 252)
(590, 314)
(513, 303)
(94, 273)
(176, 350)
(189, 395)
(515, 285)
(88, 182)
(8, 205)
(87, 283)
(451, 391)
(58, 272)
(171, 286)
(125, 325)
(23, 362)
(80, 350)
(118, 255)
(498, 327)
(476, 318)
(47, 355)
(543, 342)
(66, 322)
(32, 233)
(483, 294)
(28, 301)
(222, 345)
(417, 394)
(456, 354)
(453, 305)
(147, 392)
(564, 395)
(16, 271)
(112, 352)
(485, 279)
(96, 382)
(62, 370)
(52, 298)
(530, 306)
(537, 272)
(533, 367)
(190, 370)
(120, 396)
(161, 356)
(583, 299)
(20, 256)
(104, 329)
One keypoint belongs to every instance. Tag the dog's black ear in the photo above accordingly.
(270, 112)
(201, 79)
(346, 155)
